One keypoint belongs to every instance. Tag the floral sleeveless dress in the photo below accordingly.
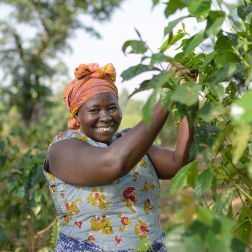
(122, 216)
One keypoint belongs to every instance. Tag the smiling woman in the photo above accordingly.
(104, 183)
(100, 117)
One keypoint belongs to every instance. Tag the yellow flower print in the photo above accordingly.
(95, 223)
(97, 198)
(106, 226)
(148, 186)
(51, 177)
(102, 224)
(141, 229)
(125, 222)
(72, 206)
(147, 206)
(72, 209)
(143, 163)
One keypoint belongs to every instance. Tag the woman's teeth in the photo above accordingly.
(105, 129)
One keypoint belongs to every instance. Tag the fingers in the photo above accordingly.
(179, 70)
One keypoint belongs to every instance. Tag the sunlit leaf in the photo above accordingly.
(214, 21)
(165, 98)
(240, 138)
(199, 9)
(149, 107)
(136, 46)
(155, 2)
(157, 81)
(223, 202)
(205, 215)
(203, 182)
(211, 111)
(241, 109)
(133, 71)
(173, 6)
(224, 73)
(186, 94)
(181, 178)
(172, 24)
(171, 40)
(193, 42)
(243, 230)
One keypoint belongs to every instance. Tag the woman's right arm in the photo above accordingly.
(77, 162)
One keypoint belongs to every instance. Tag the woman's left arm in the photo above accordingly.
(168, 162)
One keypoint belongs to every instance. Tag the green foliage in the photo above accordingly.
(217, 214)
(31, 63)
(25, 198)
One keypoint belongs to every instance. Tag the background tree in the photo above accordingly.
(31, 43)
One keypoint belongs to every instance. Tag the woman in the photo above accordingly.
(105, 184)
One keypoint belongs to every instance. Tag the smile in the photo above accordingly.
(102, 129)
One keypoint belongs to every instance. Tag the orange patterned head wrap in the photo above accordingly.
(89, 80)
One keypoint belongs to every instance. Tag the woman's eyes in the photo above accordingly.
(98, 110)
(94, 110)
(112, 108)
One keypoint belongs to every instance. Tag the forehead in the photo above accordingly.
(102, 99)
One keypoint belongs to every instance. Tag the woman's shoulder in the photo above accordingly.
(68, 134)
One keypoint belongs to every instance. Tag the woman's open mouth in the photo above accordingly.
(105, 129)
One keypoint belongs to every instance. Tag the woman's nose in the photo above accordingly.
(105, 115)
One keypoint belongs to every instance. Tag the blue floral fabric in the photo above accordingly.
(113, 217)
(68, 244)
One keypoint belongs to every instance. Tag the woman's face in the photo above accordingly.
(100, 117)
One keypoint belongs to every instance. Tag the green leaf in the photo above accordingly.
(205, 215)
(219, 238)
(243, 230)
(203, 182)
(133, 71)
(223, 43)
(155, 2)
(181, 178)
(149, 106)
(160, 57)
(165, 98)
(193, 42)
(195, 61)
(171, 40)
(240, 138)
(243, 11)
(222, 74)
(223, 203)
(220, 139)
(172, 24)
(199, 8)
(186, 94)
(211, 111)
(241, 110)
(156, 82)
(225, 58)
(173, 6)
(137, 46)
(214, 22)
